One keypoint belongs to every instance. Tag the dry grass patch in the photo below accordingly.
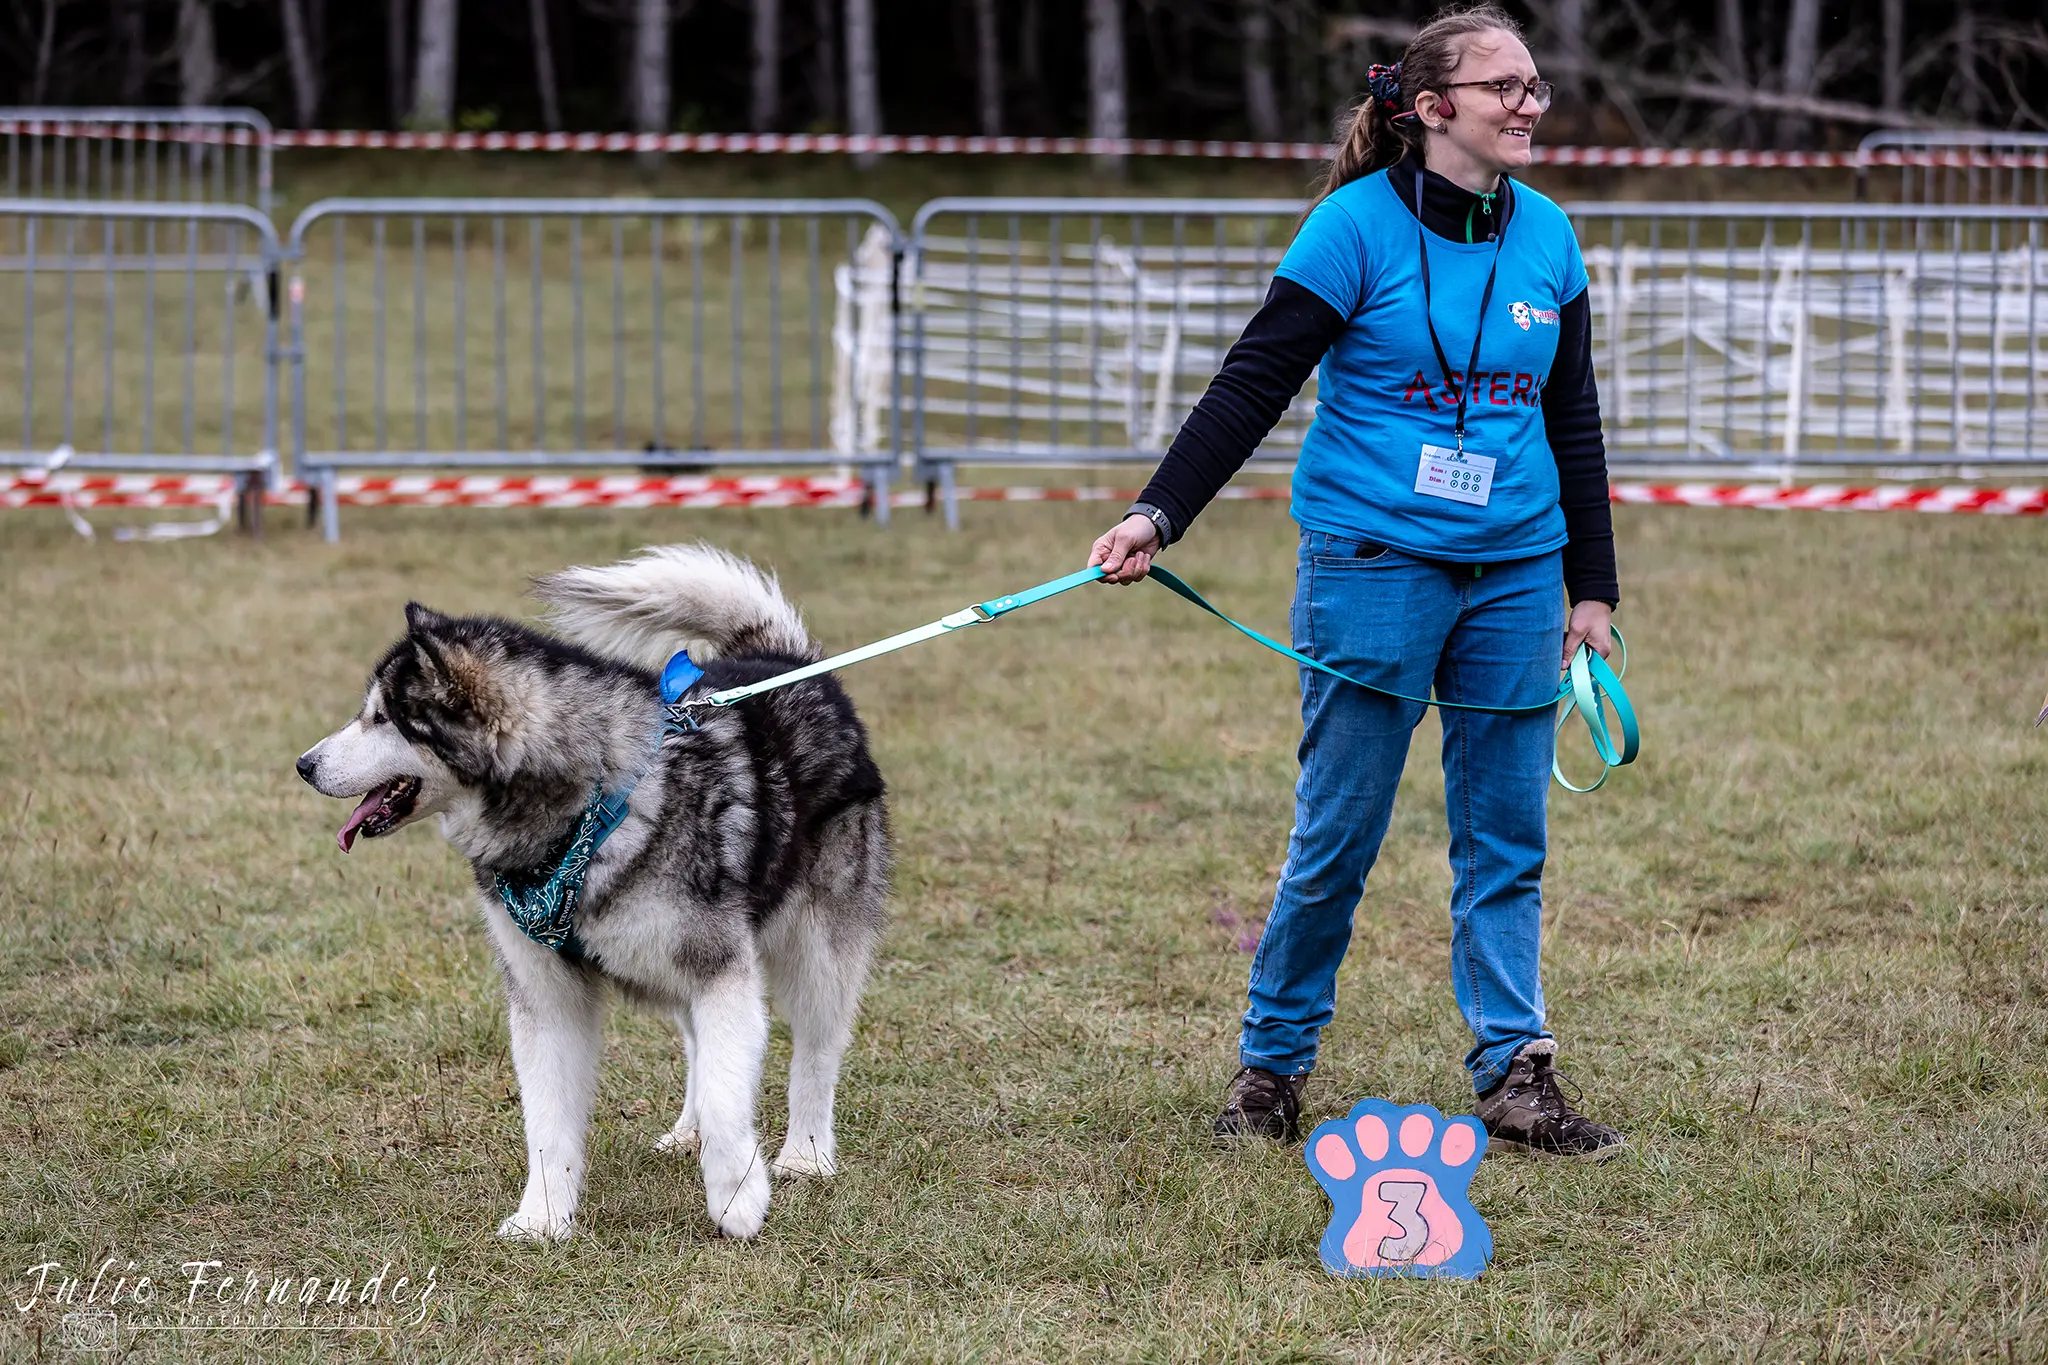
(1798, 953)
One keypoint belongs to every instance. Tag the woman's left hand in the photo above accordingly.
(1592, 623)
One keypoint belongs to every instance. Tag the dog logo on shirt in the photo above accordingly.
(1523, 315)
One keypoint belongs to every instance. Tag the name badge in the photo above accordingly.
(1443, 473)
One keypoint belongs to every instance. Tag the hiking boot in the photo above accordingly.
(1261, 1104)
(1529, 1110)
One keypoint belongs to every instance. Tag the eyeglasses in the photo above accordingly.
(1513, 91)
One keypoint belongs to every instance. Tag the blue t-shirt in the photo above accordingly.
(1381, 394)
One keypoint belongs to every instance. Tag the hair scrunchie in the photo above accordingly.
(1383, 83)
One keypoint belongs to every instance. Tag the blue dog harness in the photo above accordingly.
(542, 900)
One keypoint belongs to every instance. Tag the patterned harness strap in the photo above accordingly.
(542, 900)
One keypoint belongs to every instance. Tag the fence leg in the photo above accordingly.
(950, 495)
(249, 490)
(330, 506)
(878, 484)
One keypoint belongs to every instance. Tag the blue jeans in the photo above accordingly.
(1491, 637)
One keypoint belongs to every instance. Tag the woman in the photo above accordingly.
(1444, 514)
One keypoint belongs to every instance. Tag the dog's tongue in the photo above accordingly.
(375, 798)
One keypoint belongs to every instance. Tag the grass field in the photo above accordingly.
(1798, 953)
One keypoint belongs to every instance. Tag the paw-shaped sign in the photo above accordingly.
(1397, 1176)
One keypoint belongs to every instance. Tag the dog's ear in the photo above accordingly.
(421, 619)
(456, 674)
(423, 627)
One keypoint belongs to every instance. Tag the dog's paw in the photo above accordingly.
(808, 1159)
(681, 1140)
(535, 1227)
(1398, 1178)
(740, 1212)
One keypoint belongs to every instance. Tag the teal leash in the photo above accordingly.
(945, 625)
(1586, 690)
(1588, 684)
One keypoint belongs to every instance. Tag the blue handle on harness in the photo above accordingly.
(677, 677)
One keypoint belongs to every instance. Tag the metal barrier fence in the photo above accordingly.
(685, 334)
(1078, 331)
(200, 155)
(666, 334)
(146, 339)
(2013, 183)
(1797, 334)
(1081, 332)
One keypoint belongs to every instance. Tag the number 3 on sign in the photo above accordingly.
(1397, 1179)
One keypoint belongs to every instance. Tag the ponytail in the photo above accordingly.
(1380, 129)
(1369, 139)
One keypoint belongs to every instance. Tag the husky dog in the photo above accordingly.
(755, 852)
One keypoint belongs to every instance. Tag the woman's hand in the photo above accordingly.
(1593, 624)
(1125, 551)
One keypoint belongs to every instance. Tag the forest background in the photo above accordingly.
(1654, 72)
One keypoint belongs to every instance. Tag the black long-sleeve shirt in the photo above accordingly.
(1291, 332)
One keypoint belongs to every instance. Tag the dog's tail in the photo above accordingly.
(672, 597)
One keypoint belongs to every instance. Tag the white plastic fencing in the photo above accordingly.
(1752, 337)
(1907, 335)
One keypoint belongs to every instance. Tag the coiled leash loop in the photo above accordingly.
(1587, 688)
(1589, 679)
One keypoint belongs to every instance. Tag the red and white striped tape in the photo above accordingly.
(2022, 502)
(917, 144)
(114, 490)
(208, 491)
(608, 491)
(1815, 497)
(1014, 493)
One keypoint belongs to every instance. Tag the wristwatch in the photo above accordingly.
(1158, 518)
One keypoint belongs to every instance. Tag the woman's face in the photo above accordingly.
(1491, 136)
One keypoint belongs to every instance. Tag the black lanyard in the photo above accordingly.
(1478, 329)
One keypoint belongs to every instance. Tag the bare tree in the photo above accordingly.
(1733, 55)
(1802, 55)
(198, 59)
(130, 39)
(863, 82)
(1969, 88)
(544, 66)
(397, 63)
(1106, 104)
(1031, 56)
(1305, 68)
(1728, 41)
(1568, 20)
(45, 39)
(648, 76)
(825, 61)
(1894, 59)
(302, 60)
(988, 68)
(433, 84)
(1261, 106)
(765, 110)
